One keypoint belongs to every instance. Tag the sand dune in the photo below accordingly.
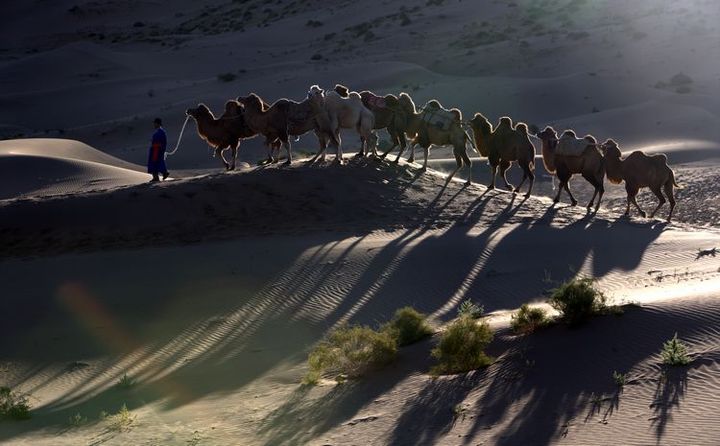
(43, 167)
(210, 289)
(232, 318)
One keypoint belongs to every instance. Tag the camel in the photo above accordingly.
(426, 134)
(590, 164)
(388, 114)
(503, 146)
(301, 118)
(277, 121)
(222, 133)
(335, 112)
(639, 170)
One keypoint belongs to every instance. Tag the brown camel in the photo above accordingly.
(437, 126)
(639, 170)
(335, 112)
(388, 114)
(222, 133)
(503, 146)
(589, 164)
(278, 121)
(301, 118)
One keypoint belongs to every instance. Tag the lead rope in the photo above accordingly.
(172, 152)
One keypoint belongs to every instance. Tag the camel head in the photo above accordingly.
(549, 137)
(233, 108)
(342, 90)
(251, 101)
(316, 96)
(611, 149)
(613, 157)
(481, 123)
(200, 111)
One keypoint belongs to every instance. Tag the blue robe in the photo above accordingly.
(156, 154)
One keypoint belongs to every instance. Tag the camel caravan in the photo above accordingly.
(327, 112)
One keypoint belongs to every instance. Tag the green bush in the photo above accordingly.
(620, 378)
(13, 406)
(408, 326)
(461, 347)
(350, 351)
(470, 309)
(126, 382)
(674, 352)
(577, 299)
(528, 319)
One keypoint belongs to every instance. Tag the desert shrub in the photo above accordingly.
(619, 378)
(122, 420)
(350, 351)
(13, 406)
(674, 352)
(126, 382)
(577, 299)
(77, 420)
(470, 309)
(528, 319)
(461, 347)
(408, 326)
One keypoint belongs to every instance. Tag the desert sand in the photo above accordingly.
(210, 289)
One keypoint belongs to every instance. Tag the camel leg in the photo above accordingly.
(661, 199)
(601, 192)
(288, 149)
(234, 156)
(363, 144)
(632, 191)
(465, 160)
(504, 166)
(561, 186)
(596, 185)
(527, 173)
(671, 197)
(221, 152)
(338, 149)
(573, 201)
(395, 139)
(402, 149)
(411, 159)
(493, 172)
(426, 152)
(372, 140)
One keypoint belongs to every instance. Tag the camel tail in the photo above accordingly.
(674, 183)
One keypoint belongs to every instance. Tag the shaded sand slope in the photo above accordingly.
(217, 331)
(35, 167)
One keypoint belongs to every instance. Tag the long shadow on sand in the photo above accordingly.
(249, 327)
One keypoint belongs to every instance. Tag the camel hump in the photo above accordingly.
(355, 96)
(457, 113)
(391, 100)
(342, 90)
(659, 158)
(505, 121)
(522, 128)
